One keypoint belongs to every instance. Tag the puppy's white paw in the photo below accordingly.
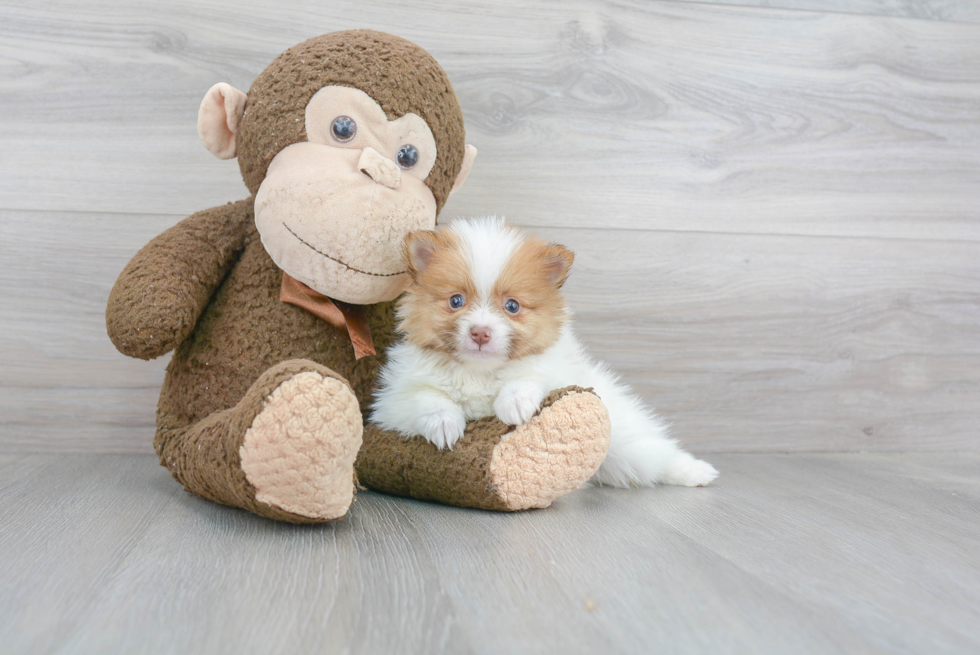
(516, 404)
(692, 473)
(442, 427)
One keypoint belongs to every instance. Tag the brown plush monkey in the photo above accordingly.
(278, 307)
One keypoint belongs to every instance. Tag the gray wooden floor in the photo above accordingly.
(818, 553)
(775, 208)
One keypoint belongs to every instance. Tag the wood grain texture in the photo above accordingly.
(744, 342)
(638, 114)
(64, 385)
(775, 343)
(801, 554)
(964, 11)
(774, 210)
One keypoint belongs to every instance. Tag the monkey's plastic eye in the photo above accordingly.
(344, 128)
(408, 156)
(457, 301)
(512, 306)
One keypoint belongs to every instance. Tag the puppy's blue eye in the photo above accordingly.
(457, 301)
(408, 156)
(512, 306)
(344, 128)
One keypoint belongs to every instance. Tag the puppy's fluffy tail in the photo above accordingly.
(640, 452)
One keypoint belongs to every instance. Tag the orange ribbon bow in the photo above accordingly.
(341, 315)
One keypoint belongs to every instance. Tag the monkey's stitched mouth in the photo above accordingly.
(339, 261)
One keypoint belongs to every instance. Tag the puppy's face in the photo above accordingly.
(482, 291)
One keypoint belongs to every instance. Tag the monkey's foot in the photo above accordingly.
(552, 454)
(299, 452)
(285, 451)
(495, 466)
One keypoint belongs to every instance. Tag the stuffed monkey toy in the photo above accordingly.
(279, 307)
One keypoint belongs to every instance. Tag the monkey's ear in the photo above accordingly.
(218, 118)
(420, 250)
(469, 156)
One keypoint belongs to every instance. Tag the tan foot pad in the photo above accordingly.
(552, 454)
(299, 451)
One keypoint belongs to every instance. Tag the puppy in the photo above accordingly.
(488, 333)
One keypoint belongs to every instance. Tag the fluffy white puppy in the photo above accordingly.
(488, 333)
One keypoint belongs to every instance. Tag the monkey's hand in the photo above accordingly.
(161, 293)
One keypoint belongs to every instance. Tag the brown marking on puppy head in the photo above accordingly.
(402, 77)
(439, 270)
(533, 277)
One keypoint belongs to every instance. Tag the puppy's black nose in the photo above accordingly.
(480, 334)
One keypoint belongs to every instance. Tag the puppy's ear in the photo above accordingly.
(420, 250)
(557, 262)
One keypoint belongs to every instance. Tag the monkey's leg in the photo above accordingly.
(285, 451)
(496, 466)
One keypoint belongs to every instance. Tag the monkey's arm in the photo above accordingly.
(159, 296)
(495, 466)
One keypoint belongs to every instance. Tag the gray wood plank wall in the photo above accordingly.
(776, 210)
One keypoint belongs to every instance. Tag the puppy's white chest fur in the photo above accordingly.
(471, 386)
(472, 389)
